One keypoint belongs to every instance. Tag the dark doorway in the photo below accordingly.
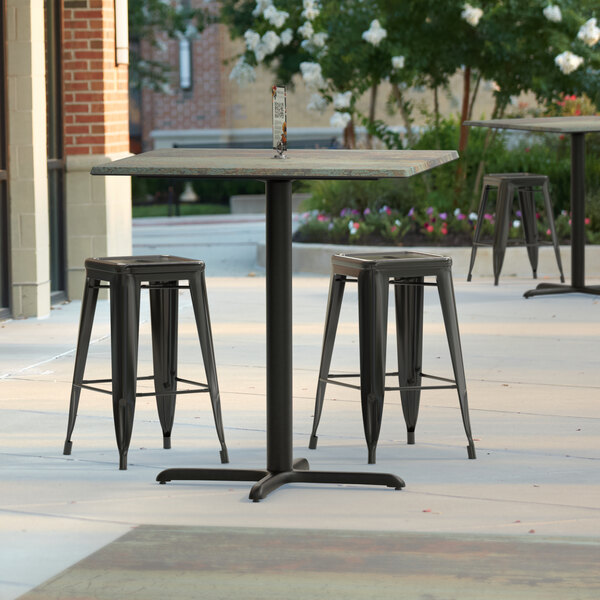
(56, 162)
(4, 229)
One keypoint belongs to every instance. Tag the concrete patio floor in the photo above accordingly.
(533, 374)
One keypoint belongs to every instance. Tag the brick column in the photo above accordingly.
(28, 175)
(96, 131)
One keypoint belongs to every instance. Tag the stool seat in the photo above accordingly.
(156, 265)
(125, 276)
(507, 184)
(374, 272)
(517, 179)
(421, 263)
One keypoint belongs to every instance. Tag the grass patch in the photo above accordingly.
(162, 210)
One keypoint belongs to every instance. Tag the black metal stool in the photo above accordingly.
(125, 275)
(375, 272)
(507, 184)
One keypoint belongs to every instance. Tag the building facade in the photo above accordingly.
(64, 108)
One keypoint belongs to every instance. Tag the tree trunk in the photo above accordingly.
(372, 108)
(350, 136)
(489, 138)
(464, 135)
(464, 115)
(405, 114)
(473, 97)
(436, 115)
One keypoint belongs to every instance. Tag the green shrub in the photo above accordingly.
(334, 204)
(212, 191)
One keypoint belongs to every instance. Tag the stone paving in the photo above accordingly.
(533, 374)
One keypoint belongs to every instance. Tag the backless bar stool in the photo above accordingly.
(507, 184)
(125, 275)
(374, 273)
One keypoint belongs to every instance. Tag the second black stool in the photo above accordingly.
(374, 273)
(125, 275)
(507, 184)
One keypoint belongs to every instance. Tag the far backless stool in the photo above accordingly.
(507, 184)
(374, 273)
(161, 275)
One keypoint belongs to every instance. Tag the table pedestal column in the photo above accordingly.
(577, 228)
(281, 468)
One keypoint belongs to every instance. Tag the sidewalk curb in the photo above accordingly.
(316, 258)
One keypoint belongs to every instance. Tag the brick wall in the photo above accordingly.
(96, 94)
(201, 107)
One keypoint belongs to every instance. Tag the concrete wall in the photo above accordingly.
(28, 179)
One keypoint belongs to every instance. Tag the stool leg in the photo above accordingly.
(448, 303)
(164, 304)
(86, 320)
(477, 233)
(409, 339)
(550, 216)
(503, 210)
(373, 292)
(124, 325)
(527, 204)
(200, 302)
(334, 304)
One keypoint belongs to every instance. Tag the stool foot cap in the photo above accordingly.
(372, 456)
(562, 278)
(123, 462)
(471, 451)
(469, 277)
(67, 448)
(224, 456)
(535, 274)
(410, 437)
(313, 442)
(167, 442)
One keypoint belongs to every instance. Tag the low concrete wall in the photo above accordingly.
(248, 204)
(316, 258)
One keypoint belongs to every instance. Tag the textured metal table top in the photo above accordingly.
(246, 163)
(586, 124)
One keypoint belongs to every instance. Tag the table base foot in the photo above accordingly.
(267, 481)
(272, 481)
(547, 289)
(211, 475)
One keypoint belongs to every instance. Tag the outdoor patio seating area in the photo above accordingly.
(533, 384)
(299, 300)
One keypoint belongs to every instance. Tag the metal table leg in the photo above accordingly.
(577, 231)
(281, 468)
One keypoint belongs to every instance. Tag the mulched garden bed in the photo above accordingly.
(412, 238)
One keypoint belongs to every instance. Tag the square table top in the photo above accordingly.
(236, 163)
(585, 124)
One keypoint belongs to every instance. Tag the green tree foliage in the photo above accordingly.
(513, 43)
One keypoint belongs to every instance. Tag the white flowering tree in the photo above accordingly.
(340, 49)
(548, 48)
(345, 48)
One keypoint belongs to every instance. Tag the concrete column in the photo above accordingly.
(28, 175)
(98, 216)
(96, 131)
